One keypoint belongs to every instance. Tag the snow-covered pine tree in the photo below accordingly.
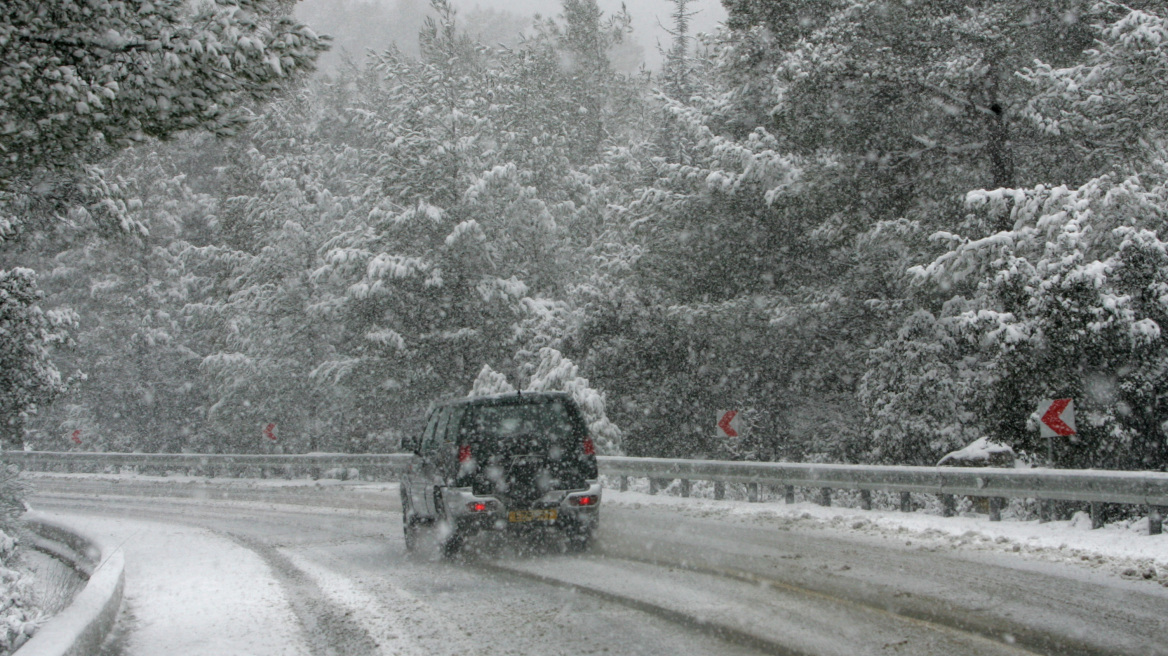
(1057, 290)
(490, 382)
(77, 80)
(27, 377)
(142, 388)
(80, 81)
(1110, 105)
(1069, 303)
(390, 232)
(554, 372)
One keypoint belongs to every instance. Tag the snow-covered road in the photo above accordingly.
(272, 567)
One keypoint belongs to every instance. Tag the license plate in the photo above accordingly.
(546, 515)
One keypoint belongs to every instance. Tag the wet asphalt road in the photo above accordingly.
(656, 583)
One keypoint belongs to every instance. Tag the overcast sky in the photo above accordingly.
(648, 16)
(645, 13)
(358, 25)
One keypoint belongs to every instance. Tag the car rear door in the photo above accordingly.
(418, 484)
(429, 470)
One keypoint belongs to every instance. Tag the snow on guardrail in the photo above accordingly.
(1094, 486)
(1145, 488)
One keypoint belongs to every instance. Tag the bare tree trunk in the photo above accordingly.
(1001, 155)
(998, 145)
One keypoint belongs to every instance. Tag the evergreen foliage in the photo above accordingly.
(868, 223)
(80, 81)
(27, 378)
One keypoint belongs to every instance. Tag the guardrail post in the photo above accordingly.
(752, 492)
(789, 494)
(905, 502)
(653, 483)
(685, 486)
(995, 509)
(948, 505)
(719, 490)
(1155, 520)
(825, 496)
(1096, 515)
(1045, 510)
(865, 499)
(624, 483)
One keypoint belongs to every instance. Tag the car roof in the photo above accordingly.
(510, 398)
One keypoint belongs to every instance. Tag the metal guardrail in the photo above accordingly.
(1093, 486)
(387, 465)
(994, 484)
(1145, 488)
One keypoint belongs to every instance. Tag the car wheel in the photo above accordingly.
(410, 524)
(411, 533)
(451, 544)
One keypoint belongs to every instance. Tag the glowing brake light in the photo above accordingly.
(478, 506)
(589, 447)
(463, 453)
(588, 500)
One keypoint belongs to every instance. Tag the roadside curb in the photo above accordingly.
(80, 629)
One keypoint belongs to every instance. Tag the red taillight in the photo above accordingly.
(589, 447)
(463, 453)
(589, 500)
(477, 506)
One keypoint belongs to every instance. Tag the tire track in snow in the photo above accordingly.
(420, 627)
(779, 619)
(719, 631)
(934, 613)
(387, 623)
(329, 629)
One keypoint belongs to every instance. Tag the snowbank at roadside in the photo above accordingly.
(182, 580)
(18, 609)
(1124, 548)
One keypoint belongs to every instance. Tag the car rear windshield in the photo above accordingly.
(555, 421)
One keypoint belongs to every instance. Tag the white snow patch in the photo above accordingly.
(1122, 547)
(195, 593)
(980, 450)
(381, 621)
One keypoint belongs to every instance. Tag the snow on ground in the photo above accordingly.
(1124, 548)
(382, 622)
(181, 580)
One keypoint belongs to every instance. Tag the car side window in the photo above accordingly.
(428, 434)
(452, 426)
(434, 437)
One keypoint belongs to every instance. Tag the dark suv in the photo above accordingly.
(511, 462)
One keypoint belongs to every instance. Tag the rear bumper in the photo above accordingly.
(460, 503)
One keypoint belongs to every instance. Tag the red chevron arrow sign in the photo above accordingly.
(1057, 417)
(728, 423)
(270, 432)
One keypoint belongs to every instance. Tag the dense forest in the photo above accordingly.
(882, 229)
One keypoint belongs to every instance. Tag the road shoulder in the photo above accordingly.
(193, 592)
